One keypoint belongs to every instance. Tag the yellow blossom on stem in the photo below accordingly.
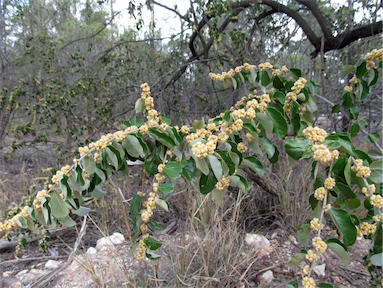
(329, 183)
(311, 256)
(308, 282)
(319, 244)
(377, 201)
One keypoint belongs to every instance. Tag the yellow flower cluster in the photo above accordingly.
(120, 136)
(377, 218)
(306, 270)
(97, 157)
(315, 224)
(37, 200)
(223, 183)
(315, 134)
(201, 150)
(320, 193)
(348, 88)
(144, 129)
(377, 201)
(160, 178)
(366, 229)
(360, 169)
(142, 248)
(353, 80)
(11, 223)
(292, 96)
(323, 155)
(150, 204)
(329, 183)
(308, 282)
(319, 244)
(311, 256)
(299, 85)
(225, 75)
(58, 176)
(242, 147)
(83, 150)
(264, 66)
(372, 56)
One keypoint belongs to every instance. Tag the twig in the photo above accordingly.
(30, 259)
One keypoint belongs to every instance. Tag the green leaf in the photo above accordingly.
(280, 96)
(162, 138)
(240, 182)
(296, 72)
(133, 147)
(268, 146)
(324, 285)
(216, 166)
(98, 192)
(227, 159)
(361, 70)
(68, 222)
(343, 223)
(347, 69)
(152, 244)
(303, 234)
(82, 211)
(376, 168)
(59, 208)
(139, 106)
(347, 171)
(217, 196)
(373, 76)
(373, 137)
(113, 156)
(265, 78)
(162, 204)
(207, 183)
(335, 108)
(22, 222)
(279, 121)
(202, 165)
(166, 188)
(265, 121)
(255, 165)
(277, 83)
(88, 164)
(234, 81)
(354, 130)
(377, 259)
(173, 169)
(298, 148)
(189, 169)
(337, 247)
(378, 239)
(296, 259)
(135, 205)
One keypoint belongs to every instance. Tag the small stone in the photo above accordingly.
(17, 284)
(91, 250)
(115, 239)
(259, 244)
(7, 273)
(52, 264)
(267, 277)
(320, 270)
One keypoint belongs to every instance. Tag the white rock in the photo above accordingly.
(52, 264)
(259, 243)
(7, 274)
(91, 250)
(320, 270)
(267, 277)
(115, 239)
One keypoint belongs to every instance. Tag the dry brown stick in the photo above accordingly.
(30, 259)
